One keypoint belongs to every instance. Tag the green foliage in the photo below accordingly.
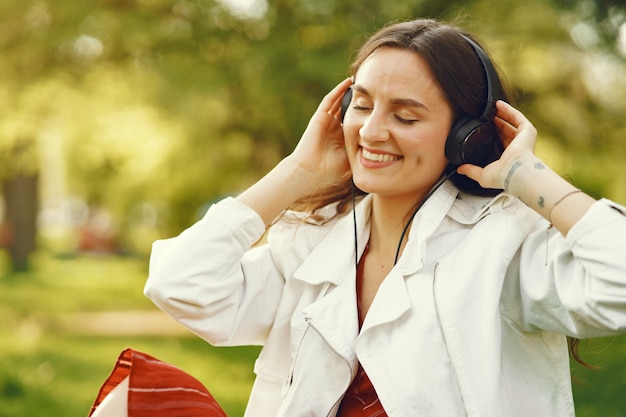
(177, 103)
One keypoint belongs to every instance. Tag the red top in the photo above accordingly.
(361, 399)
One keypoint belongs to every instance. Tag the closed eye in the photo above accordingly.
(400, 119)
(405, 121)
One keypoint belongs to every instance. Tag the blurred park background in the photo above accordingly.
(121, 120)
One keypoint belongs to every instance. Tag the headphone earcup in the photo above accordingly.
(345, 102)
(472, 141)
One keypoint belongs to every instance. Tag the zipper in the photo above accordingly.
(293, 364)
(295, 354)
(312, 325)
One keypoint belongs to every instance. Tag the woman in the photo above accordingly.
(430, 296)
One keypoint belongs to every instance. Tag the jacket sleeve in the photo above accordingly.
(209, 279)
(577, 285)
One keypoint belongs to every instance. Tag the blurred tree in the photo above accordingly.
(598, 23)
(18, 130)
(155, 107)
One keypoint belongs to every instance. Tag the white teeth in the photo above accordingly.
(379, 157)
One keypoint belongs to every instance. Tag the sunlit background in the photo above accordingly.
(121, 120)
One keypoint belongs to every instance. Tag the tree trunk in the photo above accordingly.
(21, 202)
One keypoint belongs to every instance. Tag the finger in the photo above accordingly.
(506, 131)
(332, 100)
(337, 105)
(510, 114)
(471, 171)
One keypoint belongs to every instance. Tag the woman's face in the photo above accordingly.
(396, 126)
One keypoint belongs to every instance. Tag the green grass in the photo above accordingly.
(62, 375)
(50, 368)
(53, 365)
(601, 392)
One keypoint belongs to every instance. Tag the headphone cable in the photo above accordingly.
(431, 192)
(356, 247)
(406, 227)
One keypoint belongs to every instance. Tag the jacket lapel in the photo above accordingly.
(333, 258)
(335, 318)
(391, 302)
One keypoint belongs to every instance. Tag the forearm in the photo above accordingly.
(277, 190)
(546, 192)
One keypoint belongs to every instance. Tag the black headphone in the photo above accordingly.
(472, 140)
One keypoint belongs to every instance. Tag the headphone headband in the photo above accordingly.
(493, 90)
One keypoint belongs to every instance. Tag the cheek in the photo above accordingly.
(439, 137)
(438, 153)
(428, 149)
(350, 134)
(428, 137)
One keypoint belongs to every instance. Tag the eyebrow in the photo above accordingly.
(408, 102)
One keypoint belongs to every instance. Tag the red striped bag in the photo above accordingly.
(143, 386)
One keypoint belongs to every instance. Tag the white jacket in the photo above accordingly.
(470, 321)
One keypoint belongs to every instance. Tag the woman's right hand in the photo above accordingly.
(321, 149)
(319, 159)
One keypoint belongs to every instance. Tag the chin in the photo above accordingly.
(370, 187)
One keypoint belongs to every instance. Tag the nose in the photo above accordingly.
(374, 128)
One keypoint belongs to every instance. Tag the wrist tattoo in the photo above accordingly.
(514, 168)
(541, 202)
(540, 165)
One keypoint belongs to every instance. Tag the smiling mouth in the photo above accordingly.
(378, 157)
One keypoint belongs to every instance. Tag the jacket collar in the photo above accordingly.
(333, 259)
(447, 202)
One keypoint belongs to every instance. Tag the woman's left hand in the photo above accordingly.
(518, 136)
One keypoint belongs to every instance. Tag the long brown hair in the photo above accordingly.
(460, 75)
